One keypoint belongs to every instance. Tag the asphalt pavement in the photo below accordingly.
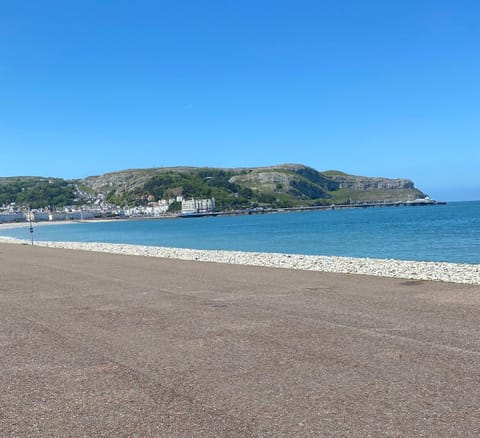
(103, 345)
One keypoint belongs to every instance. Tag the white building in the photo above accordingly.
(69, 216)
(195, 206)
(37, 216)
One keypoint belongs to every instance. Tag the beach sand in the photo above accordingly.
(97, 344)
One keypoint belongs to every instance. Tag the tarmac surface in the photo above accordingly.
(103, 345)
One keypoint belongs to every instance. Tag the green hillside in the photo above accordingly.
(289, 185)
(36, 192)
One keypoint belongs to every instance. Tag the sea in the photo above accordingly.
(448, 233)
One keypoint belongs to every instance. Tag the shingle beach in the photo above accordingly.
(413, 270)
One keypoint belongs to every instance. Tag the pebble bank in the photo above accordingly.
(413, 270)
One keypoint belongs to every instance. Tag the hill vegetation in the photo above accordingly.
(287, 185)
(36, 192)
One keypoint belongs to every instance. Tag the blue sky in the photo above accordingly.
(377, 88)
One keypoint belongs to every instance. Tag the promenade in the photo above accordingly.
(97, 344)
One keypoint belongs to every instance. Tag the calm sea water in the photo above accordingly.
(433, 233)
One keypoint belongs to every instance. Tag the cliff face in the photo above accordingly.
(305, 183)
(365, 183)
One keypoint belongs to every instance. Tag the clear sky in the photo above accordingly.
(370, 87)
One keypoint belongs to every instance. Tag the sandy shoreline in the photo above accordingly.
(412, 270)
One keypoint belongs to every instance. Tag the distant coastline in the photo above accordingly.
(108, 216)
(160, 191)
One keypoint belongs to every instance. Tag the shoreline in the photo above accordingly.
(26, 224)
(390, 268)
(241, 212)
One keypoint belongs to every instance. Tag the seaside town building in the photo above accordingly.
(102, 209)
(198, 206)
(155, 209)
(16, 216)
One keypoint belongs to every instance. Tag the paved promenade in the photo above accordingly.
(96, 344)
